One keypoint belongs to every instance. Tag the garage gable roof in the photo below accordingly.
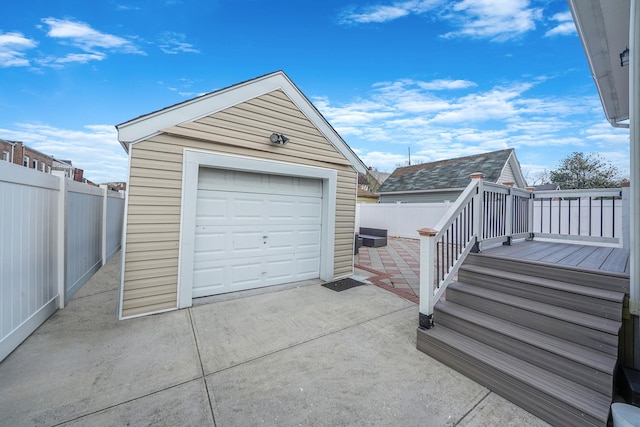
(453, 173)
(151, 124)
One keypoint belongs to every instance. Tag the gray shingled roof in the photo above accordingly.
(444, 174)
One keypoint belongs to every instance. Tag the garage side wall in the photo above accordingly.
(155, 188)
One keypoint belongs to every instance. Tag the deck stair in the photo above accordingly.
(541, 335)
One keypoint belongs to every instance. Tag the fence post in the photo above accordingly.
(427, 262)
(105, 200)
(478, 208)
(62, 236)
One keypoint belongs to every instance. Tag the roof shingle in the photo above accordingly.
(446, 174)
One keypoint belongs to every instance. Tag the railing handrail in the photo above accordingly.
(494, 213)
(592, 192)
(455, 209)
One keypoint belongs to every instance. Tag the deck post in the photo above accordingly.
(530, 213)
(478, 209)
(508, 220)
(427, 276)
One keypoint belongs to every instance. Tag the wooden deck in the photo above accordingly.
(584, 257)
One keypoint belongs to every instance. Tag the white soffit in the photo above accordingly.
(151, 124)
(603, 27)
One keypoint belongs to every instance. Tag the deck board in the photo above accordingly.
(603, 258)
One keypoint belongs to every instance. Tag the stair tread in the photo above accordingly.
(618, 282)
(548, 283)
(570, 393)
(578, 353)
(576, 317)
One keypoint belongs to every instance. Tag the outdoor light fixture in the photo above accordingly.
(278, 138)
(624, 57)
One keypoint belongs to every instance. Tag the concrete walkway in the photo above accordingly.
(298, 356)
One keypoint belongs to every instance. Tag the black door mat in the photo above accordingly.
(342, 284)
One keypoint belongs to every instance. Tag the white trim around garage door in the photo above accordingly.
(193, 160)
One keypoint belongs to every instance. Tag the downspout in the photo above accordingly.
(634, 136)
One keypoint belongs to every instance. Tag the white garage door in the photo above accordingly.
(255, 230)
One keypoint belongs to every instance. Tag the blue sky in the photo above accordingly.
(445, 78)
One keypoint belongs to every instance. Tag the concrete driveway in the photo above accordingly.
(304, 355)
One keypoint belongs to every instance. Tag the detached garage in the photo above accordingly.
(241, 188)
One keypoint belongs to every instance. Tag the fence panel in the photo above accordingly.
(51, 243)
(400, 219)
(83, 235)
(28, 252)
(115, 221)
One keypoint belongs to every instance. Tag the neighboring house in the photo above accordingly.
(366, 183)
(66, 168)
(380, 177)
(115, 186)
(241, 188)
(547, 187)
(17, 153)
(366, 196)
(444, 180)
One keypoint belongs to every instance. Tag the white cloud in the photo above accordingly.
(12, 49)
(174, 43)
(498, 20)
(565, 25)
(95, 148)
(87, 39)
(386, 13)
(443, 84)
(126, 7)
(400, 114)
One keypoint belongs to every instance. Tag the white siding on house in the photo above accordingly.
(155, 185)
(507, 175)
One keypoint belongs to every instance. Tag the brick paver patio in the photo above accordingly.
(396, 267)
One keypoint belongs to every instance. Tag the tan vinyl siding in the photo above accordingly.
(153, 217)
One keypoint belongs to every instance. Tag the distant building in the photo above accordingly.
(19, 154)
(116, 186)
(446, 179)
(546, 187)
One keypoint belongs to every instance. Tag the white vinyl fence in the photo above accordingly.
(54, 234)
(400, 219)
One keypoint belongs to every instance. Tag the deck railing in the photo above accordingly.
(487, 213)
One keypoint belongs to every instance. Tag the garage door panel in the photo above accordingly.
(209, 243)
(255, 230)
(211, 281)
(307, 267)
(311, 210)
(212, 206)
(309, 240)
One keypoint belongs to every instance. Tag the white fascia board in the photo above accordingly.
(151, 124)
